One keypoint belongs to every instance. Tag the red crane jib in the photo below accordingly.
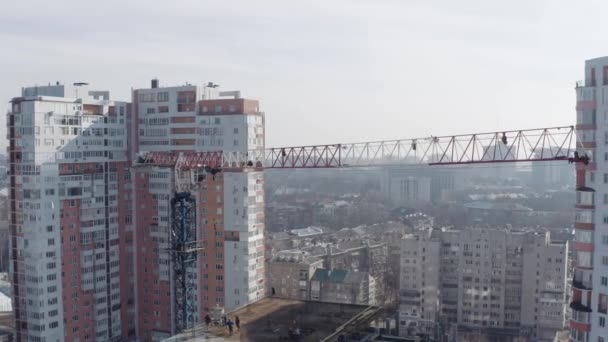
(529, 145)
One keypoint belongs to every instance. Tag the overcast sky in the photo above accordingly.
(324, 71)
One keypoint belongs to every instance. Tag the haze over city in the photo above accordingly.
(142, 198)
(338, 71)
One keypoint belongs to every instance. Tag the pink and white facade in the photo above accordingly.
(589, 305)
(230, 206)
(68, 163)
(90, 232)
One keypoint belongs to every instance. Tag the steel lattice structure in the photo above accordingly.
(184, 251)
(541, 144)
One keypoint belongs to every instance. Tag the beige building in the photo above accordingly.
(289, 274)
(497, 282)
(419, 283)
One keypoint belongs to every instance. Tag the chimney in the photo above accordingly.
(154, 83)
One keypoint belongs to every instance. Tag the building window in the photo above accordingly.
(605, 281)
(232, 108)
(162, 96)
(602, 305)
(592, 177)
(602, 321)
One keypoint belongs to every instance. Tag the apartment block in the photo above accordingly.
(494, 282)
(289, 274)
(91, 229)
(589, 306)
(68, 166)
(419, 284)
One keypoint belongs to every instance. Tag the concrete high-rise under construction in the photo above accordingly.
(91, 232)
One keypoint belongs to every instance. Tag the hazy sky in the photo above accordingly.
(324, 71)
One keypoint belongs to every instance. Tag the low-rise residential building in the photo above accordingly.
(289, 274)
(341, 286)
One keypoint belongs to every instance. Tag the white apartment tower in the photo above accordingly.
(67, 163)
(589, 306)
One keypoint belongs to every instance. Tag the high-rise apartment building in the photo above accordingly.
(589, 306)
(68, 163)
(90, 232)
(229, 206)
(489, 281)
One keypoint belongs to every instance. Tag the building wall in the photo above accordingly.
(154, 188)
(499, 281)
(360, 292)
(419, 284)
(291, 278)
(588, 319)
(212, 231)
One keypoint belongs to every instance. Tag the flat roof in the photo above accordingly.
(271, 318)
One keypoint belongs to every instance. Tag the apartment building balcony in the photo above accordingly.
(582, 285)
(586, 83)
(580, 323)
(585, 198)
(580, 313)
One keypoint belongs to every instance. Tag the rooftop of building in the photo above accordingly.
(270, 319)
(280, 236)
(483, 205)
(338, 276)
(295, 256)
(308, 231)
(329, 276)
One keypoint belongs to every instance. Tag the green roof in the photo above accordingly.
(332, 276)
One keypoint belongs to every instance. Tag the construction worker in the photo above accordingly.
(237, 322)
(229, 323)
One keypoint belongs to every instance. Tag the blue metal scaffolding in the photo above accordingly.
(184, 250)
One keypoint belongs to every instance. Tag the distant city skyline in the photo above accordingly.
(325, 72)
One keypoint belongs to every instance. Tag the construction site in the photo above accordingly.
(275, 319)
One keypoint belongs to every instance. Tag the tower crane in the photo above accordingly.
(516, 146)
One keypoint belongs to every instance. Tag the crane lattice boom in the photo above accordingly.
(529, 145)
